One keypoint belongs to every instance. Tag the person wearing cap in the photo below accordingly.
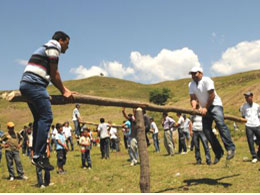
(42, 68)
(12, 143)
(251, 112)
(202, 89)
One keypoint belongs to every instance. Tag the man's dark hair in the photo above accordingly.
(102, 120)
(60, 35)
(165, 114)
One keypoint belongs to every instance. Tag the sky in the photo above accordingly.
(145, 41)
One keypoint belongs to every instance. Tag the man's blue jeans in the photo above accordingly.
(40, 106)
(215, 113)
(250, 132)
(156, 142)
(197, 136)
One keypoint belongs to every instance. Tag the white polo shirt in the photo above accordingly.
(154, 127)
(181, 122)
(251, 113)
(201, 91)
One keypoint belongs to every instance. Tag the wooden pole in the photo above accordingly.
(96, 124)
(15, 96)
(143, 154)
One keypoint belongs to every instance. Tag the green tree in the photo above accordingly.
(159, 96)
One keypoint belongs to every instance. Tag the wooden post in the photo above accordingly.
(143, 154)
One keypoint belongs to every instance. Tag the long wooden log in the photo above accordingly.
(15, 96)
(96, 124)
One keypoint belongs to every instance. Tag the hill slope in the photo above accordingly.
(230, 89)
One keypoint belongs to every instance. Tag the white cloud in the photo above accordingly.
(167, 65)
(115, 69)
(244, 56)
(83, 72)
(22, 62)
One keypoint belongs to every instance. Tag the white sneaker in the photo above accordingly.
(135, 162)
(51, 184)
(254, 160)
(11, 179)
(132, 163)
(184, 153)
(42, 186)
(24, 177)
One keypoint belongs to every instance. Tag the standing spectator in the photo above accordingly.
(203, 89)
(103, 130)
(76, 119)
(29, 142)
(42, 183)
(198, 134)
(125, 132)
(186, 129)
(180, 125)
(85, 142)
(132, 137)
(167, 124)
(61, 149)
(155, 131)
(54, 134)
(67, 131)
(113, 139)
(251, 112)
(1, 134)
(147, 127)
(23, 133)
(12, 145)
(42, 68)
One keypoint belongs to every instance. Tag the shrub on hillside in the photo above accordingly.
(159, 96)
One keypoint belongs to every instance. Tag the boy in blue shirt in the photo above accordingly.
(61, 149)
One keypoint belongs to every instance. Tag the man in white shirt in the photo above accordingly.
(202, 89)
(180, 125)
(251, 112)
(167, 124)
(114, 145)
(67, 131)
(155, 131)
(76, 119)
(103, 131)
(186, 129)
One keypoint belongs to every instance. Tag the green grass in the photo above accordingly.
(116, 176)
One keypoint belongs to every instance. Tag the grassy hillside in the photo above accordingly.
(115, 175)
(230, 89)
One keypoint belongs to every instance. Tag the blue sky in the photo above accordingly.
(145, 41)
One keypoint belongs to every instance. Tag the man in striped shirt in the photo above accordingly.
(42, 68)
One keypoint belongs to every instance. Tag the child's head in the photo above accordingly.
(10, 126)
(59, 127)
(66, 124)
(102, 120)
(86, 132)
(178, 114)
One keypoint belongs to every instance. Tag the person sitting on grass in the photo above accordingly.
(47, 176)
(61, 149)
(85, 142)
(12, 144)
